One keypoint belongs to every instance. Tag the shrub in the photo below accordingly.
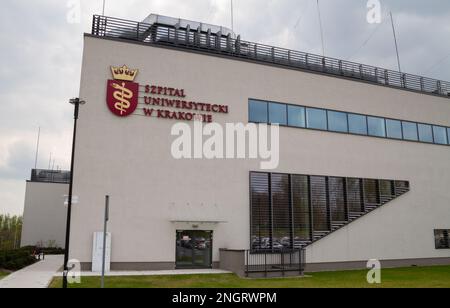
(14, 260)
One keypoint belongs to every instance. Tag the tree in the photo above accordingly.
(10, 232)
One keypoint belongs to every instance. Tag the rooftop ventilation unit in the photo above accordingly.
(187, 24)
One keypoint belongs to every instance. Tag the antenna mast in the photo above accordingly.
(103, 11)
(321, 28)
(37, 148)
(396, 45)
(232, 16)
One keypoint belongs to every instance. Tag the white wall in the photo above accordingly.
(129, 159)
(44, 218)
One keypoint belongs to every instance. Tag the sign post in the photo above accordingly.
(105, 229)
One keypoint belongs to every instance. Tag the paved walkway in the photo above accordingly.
(38, 275)
(152, 273)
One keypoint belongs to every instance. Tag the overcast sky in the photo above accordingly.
(41, 48)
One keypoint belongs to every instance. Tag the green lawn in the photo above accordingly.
(415, 277)
(3, 274)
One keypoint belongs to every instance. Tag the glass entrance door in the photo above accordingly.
(194, 249)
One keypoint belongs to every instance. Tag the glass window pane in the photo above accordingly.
(376, 127)
(448, 135)
(357, 124)
(258, 111)
(394, 129)
(337, 121)
(425, 133)
(440, 135)
(277, 114)
(296, 116)
(410, 131)
(316, 118)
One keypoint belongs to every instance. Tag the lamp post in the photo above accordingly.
(76, 102)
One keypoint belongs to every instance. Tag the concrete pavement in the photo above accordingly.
(38, 275)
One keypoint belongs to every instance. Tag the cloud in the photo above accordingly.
(42, 52)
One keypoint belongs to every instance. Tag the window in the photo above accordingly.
(371, 195)
(258, 111)
(425, 133)
(289, 211)
(277, 114)
(377, 127)
(410, 131)
(357, 124)
(354, 195)
(440, 135)
(281, 213)
(316, 118)
(336, 194)
(296, 116)
(300, 209)
(337, 121)
(448, 135)
(319, 203)
(261, 211)
(394, 129)
(442, 239)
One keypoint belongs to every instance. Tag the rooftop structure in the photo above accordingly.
(190, 35)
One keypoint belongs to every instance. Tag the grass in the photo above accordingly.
(3, 274)
(414, 277)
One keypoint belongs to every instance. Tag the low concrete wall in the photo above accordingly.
(360, 265)
(233, 261)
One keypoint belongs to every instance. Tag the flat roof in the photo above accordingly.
(197, 39)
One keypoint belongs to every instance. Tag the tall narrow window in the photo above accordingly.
(258, 111)
(337, 199)
(354, 196)
(282, 220)
(260, 211)
(387, 190)
(425, 133)
(371, 196)
(440, 135)
(319, 203)
(301, 209)
(377, 127)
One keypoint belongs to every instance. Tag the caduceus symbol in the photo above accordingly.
(122, 95)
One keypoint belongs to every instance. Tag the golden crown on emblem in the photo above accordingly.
(124, 73)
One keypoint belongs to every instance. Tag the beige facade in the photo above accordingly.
(44, 215)
(153, 195)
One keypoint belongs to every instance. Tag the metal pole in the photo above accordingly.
(321, 29)
(105, 230)
(396, 45)
(69, 207)
(232, 16)
(103, 11)
(37, 148)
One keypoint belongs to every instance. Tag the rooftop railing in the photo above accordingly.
(50, 176)
(217, 43)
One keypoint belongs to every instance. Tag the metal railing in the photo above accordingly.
(275, 261)
(198, 39)
(50, 176)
